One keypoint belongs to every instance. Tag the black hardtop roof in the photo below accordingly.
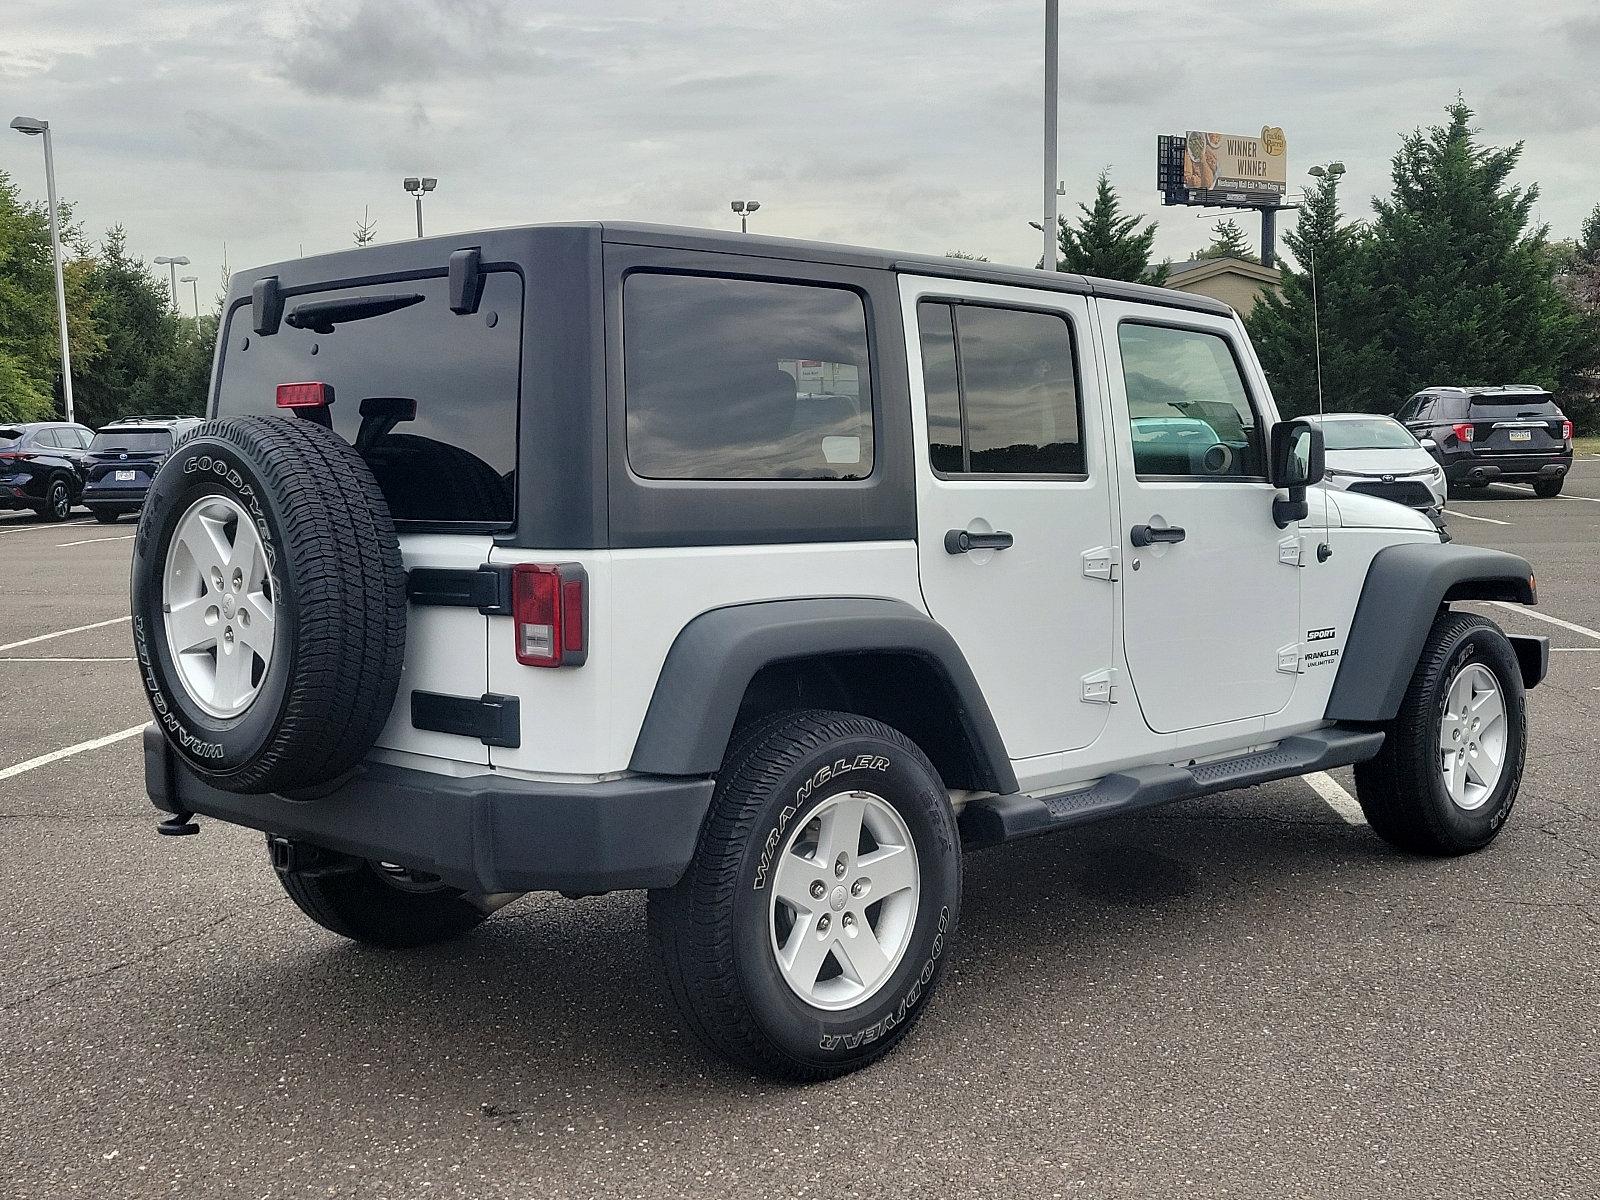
(367, 262)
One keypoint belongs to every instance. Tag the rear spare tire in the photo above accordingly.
(268, 604)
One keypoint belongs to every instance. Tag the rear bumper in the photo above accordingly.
(1507, 466)
(482, 833)
(95, 493)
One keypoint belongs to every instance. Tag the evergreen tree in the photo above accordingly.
(1580, 279)
(366, 229)
(1228, 241)
(1108, 244)
(141, 334)
(1466, 291)
(1330, 286)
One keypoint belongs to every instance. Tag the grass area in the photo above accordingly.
(1585, 446)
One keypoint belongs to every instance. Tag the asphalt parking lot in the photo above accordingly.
(1248, 995)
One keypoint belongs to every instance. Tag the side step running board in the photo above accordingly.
(990, 820)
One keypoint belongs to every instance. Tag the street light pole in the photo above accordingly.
(744, 208)
(420, 186)
(1052, 102)
(172, 265)
(33, 127)
(1332, 171)
(194, 291)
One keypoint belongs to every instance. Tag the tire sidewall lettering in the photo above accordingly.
(823, 775)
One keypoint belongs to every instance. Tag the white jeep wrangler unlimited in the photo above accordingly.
(770, 576)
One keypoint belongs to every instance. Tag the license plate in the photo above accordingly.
(127, 476)
(1522, 435)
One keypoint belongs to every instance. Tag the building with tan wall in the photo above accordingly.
(1234, 281)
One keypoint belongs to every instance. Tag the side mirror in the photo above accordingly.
(1296, 462)
(1429, 445)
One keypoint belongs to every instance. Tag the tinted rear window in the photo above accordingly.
(428, 396)
(744, 379)
(134, 441)
(10, 437)
(1540, 402)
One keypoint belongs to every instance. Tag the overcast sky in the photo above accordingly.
(269, 126)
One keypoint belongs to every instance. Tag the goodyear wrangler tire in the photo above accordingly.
(268, 604)
(818, 914)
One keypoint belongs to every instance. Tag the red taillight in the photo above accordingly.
(547, 611)
(1566, 432)
(305, 395)
(1463, 432)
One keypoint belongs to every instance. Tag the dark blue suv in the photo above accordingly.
(124, 458)
(41, 466)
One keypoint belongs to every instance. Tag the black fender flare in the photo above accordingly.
(1406, 585)
(716, 655)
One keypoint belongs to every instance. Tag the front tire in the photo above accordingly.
(1547, 489)
(818, 914)
(1452, 758)
(380, 905)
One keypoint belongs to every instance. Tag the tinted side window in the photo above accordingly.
(427, 396)
(1015, 373)
(47, 439)
(1187, 404)
(937, 333)
(744, 379)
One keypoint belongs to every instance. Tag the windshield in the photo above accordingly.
(1380, 433)
(134, 441)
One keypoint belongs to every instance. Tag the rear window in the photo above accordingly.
(10, 438)
(1535, 402)
(428, 396)
(133, 441)
(744, 379)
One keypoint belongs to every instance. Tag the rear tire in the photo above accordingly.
(57, 504)
(1408, 798)
(1547, 488)
(106, 516)
(817, 915)
(379, 906)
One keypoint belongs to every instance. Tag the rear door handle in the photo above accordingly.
(1145, 535)
(959, 541)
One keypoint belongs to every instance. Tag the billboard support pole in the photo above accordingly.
(1052, 100)
(1269, 236)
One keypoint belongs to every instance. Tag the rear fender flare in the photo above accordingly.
(711, 663)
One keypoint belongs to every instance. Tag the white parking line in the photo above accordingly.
(48, 527)
(45, 637)
(1525, 611)
(40, 660)
(89, 541)
(1575, 649)
(1590, 499)
(1336, 798)
(45, 760)
(1450, 512)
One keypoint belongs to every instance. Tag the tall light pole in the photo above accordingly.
(34, 127)
(420, 187)
(194, 291)
(172, 265)
(1052, 104)
(744, 208)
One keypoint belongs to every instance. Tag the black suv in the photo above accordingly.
(124, 458)
(1513, 433)
(41, 466)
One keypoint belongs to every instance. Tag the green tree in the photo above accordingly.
(1228, 241)
(1330, 285)
(29, 355)
(1579, 275)
(1465, 281)
(1107, 243)
(141, 336)
(21, 398)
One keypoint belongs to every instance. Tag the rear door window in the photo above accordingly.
(744, 379)
(428, 396)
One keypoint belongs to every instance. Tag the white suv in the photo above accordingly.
(769, 576)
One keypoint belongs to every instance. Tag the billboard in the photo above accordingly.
(1223, 169)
